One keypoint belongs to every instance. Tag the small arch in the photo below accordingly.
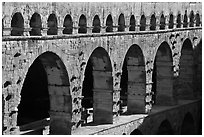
(162, 22)
(153, 22)
(96, 24)
(133, 82)
(197, 18)
(97, 84)
(46, 94)
(185, 20)
(171, 21)
(52, 25)
(191, 24)
(165, 128)
(68, 24)
(121, 23)
(17, 24)
(136, 132)
(132, 23)
(82, 24)
(178, 21)
(188, 125)
(36, 25)
(143, 23)
(163, 74)
(186, 71)
(109, 24)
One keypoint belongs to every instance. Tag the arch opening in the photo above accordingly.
(165, 128)
(191, 24)
(188, 125)
(68, 24)
(109, 24)
(17, 24)
(132, 23)
(186, 72)
(153, 22)
(197, 19)
(97, 89)
(162, 22)
(171, 21)
(82, 24)
(133, 82)
(52, 25)
(36, 25)
(185, 20)
(121, 23)
(162, 76)
(143, 23)
(178, 21)
(96, 25)
(46, 104)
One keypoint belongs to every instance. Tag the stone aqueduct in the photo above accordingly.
(144, 54)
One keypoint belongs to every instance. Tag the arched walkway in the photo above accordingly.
(133, 81)
(186, 72)
(45, 93)
(188, 125)
(163, 76)
(165, 128)
(98, 87)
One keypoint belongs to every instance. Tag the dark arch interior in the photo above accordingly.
(171, 21)
(52, 25)
(185, 20)
(186, 71)
(136, 132)
(153, 22)
(188, 125)
(134, 60)
(68, 24)
(162, 22)
(162, 74)
(97, 83)
(17, 24)
(82, 24)
(197, 19)
(178, 21)
(96, 25)
(109, 24)
(121, 23)
(165, 128)
(191, 19)
(142, 23)
(36, 25)
(132, 23)
(34, 103)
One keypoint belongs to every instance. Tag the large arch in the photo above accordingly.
(52, 25)
(98, 87)
(17, 24)
(165, 128)
(36, 25)
(188, 125)
(45, 93)
(133, 81)
(186, 71)
(163, 76)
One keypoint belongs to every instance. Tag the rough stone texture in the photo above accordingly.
(18, 53)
